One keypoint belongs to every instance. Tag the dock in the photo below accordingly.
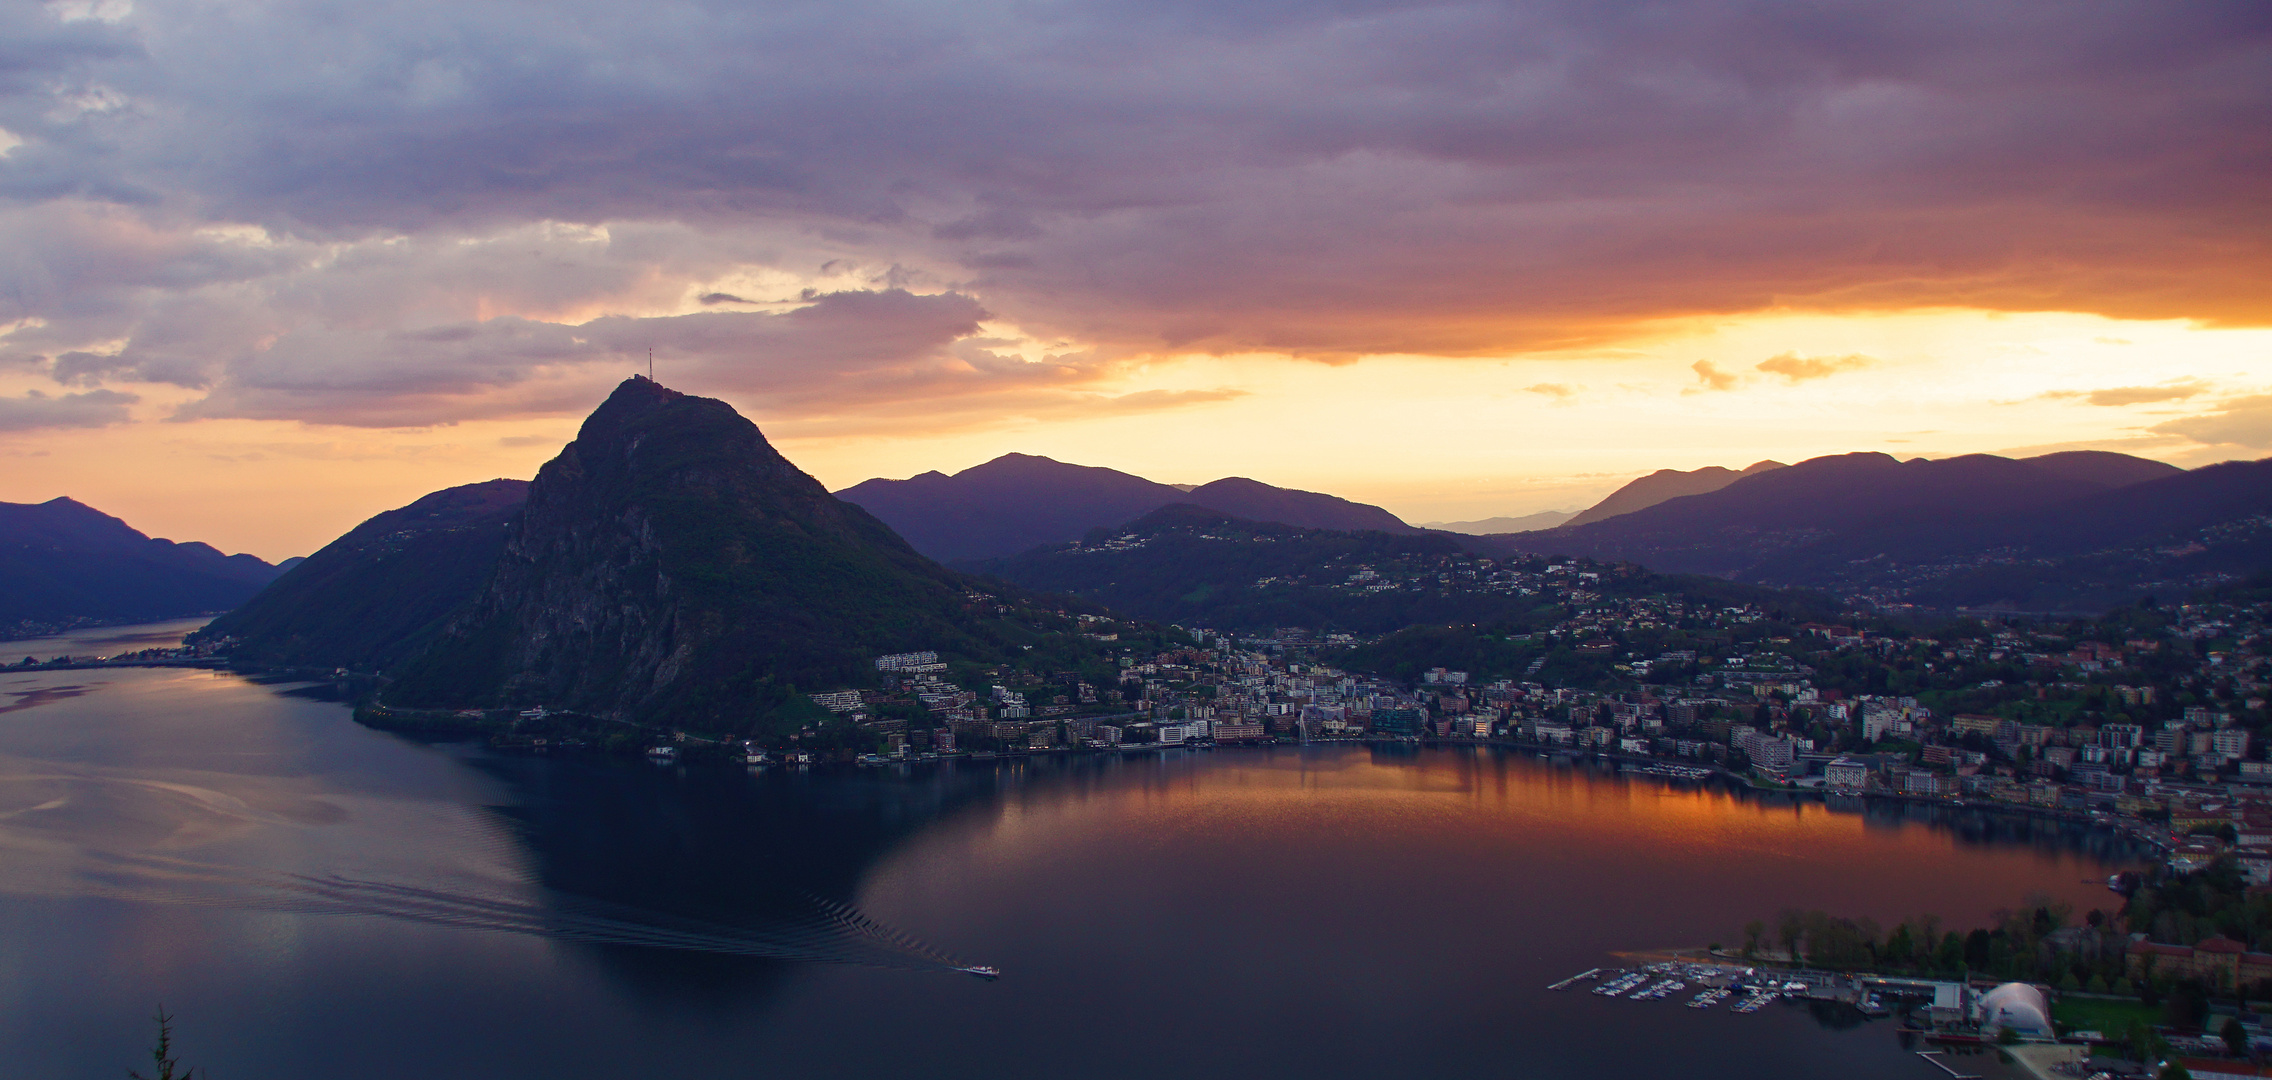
(1575, 979)
(1934, 1056)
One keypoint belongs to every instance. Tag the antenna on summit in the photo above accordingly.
(650, 363)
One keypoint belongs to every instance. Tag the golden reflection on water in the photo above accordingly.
(1530, 815)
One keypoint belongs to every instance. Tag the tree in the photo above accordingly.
(1899, 946)
(1753, 931)
(2174, 1071)
(1951, 956)
(2236, 1037)
(161, 1055)
(2187, 1005)
(1977, 949)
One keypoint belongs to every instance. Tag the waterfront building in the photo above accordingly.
(1397, 721)
(1846, 774)
(2018, 1008)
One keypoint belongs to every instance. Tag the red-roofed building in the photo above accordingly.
(2219, 961)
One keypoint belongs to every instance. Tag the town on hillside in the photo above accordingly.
(2150, 715)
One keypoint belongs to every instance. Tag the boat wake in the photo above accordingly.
(827, 932)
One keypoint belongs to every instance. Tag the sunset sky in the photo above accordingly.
(273, 267)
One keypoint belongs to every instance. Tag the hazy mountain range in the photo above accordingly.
(1665, 484)
(1545, 519)
(2070, 531)
(62, 561)
(1018, 501)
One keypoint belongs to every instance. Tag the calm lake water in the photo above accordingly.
(312, 898)
(101, 640)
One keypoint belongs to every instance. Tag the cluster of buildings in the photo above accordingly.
(2158, 719)
(186, 654)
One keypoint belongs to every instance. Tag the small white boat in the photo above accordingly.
(982, 971)
(663, 753)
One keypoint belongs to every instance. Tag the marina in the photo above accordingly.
(1751, 988)
(1660, 980)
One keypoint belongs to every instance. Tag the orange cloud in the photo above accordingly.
(1710, 377)
(2140, 395)
(2245, 421)
(1799, 369)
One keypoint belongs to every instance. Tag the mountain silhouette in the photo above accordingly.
(670, 566)
(1663, 485)
(2065, 530)
(63, 561)
(1018, 502)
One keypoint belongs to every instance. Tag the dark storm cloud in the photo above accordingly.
(1331, 178)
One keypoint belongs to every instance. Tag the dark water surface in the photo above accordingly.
(1331, 912)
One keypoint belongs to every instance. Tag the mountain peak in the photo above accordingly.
(1017, 502)
(1007, 505)
(1663, 485)
(2103, 467)
(1254, 500)
(635, 396)
(672, 565)
(640, 388)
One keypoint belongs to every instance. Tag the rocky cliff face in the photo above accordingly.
(671, 566)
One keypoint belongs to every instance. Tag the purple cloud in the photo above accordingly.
(1331, 179)
(35, 410)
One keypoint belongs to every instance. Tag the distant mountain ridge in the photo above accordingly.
(2104, 468)
(1200, 567)
(1017, 502)
(1868, 522)
(1545, 519)
(1253, 500)
(62, 561)
(1663, 485)
(1006, 505)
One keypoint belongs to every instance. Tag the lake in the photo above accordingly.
(311, 897)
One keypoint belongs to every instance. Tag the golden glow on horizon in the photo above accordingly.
(1435, 439)
(1430, 439)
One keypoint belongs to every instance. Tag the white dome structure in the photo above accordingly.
(2017, 1007)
